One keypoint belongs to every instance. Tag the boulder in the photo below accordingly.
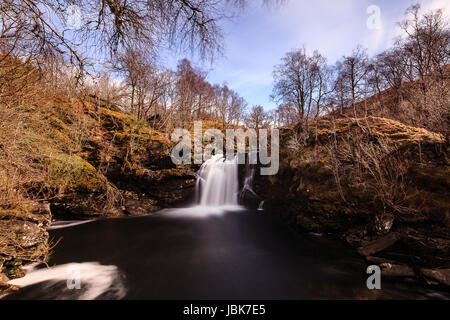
(3, 279)
(436, 276)
(308, 223)
(396, 270)
(23, 234)
(378, 244)
(23, 238)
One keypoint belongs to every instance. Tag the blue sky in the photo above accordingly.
(256, 40)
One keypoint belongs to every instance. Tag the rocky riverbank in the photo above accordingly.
(23, 238)
(375, 183)
(118, 166)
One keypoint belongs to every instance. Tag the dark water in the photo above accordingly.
(236, 255)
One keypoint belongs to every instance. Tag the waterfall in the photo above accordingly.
(217, 182)
(247, 195)
(261, 206)
(248, 183)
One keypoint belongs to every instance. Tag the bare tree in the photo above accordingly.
(340, 97)
(256, 117)
(108, 90)
(426, 44)
(134, 67)
(390, 67)
(113, 26)
(285, 115)
(426, 52)
(189, 90)
(300, 81)
(353, 70)
(236, 109)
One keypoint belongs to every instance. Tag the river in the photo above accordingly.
(213, 250)
(172, 254)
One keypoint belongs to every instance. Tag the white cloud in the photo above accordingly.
(438, 4)
(260, 37)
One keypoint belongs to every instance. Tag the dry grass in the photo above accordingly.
(43, 137)
(39, 149)
(389, 129)
(369, 159)
(424, 103)
(44, 133)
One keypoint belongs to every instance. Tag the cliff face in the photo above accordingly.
(381, 186)
(135, 161)
(72, 158)
(23, 237)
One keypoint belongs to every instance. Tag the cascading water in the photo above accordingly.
(247, 195)
(261, 206)
(248, 183)
(217, 182)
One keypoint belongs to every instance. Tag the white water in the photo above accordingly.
(95, 280)
(248, 182)
(261, 206)
(66, 224)
(216, 190)
(217, 182)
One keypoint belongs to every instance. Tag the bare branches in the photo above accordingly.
(353, 70)
(408, 82)
(111, 27)
(300, 82)
(257, 118)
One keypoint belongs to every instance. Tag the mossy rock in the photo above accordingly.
(12, 269)
(433, 177)
(74, 173)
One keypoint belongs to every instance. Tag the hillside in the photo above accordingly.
(379, 185)
(416, 103)
(65, 157)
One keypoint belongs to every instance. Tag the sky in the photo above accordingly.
(257, 40)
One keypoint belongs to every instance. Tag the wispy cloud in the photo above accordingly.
(257, 40)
